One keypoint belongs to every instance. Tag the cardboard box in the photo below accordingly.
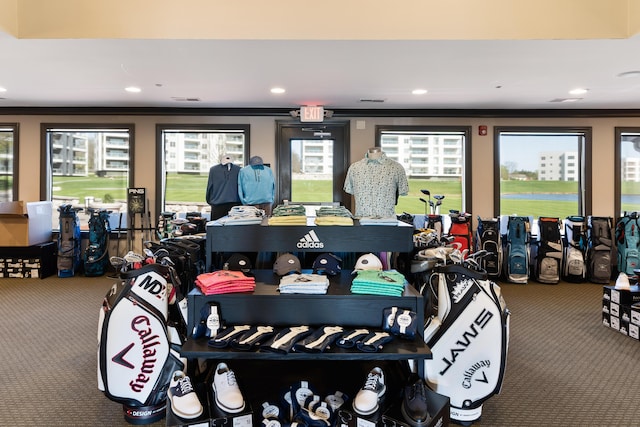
(635, 314)
(25, 224)
(437, 406)
(634, 331)
(37, 261)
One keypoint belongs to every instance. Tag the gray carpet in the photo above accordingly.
(564, 367)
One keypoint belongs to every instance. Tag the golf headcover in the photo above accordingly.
(134, 355)
(469, 341)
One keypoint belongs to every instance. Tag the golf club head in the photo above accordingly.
(426, 192)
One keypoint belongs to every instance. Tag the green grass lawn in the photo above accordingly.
(191, 189)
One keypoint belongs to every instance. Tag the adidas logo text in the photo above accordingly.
(310, 241)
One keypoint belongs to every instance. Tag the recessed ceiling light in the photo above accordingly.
(419, 91)
(277, 90)
(2, 89)
(133, 89)
(635, 73)
(571, 99)
(578, 91)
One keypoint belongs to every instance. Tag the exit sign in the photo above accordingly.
(311, 114)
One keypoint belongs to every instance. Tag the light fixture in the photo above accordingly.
(277, 90)
(578, 91)
(419, 91)
(2, 89)
(133, 89)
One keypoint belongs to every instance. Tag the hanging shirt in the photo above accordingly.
(222, 186)
(376, 184)
(256, 185)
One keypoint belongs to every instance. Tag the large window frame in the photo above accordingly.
(11, 160)
(466, 172)
(620, 134)
(161, 157)
(46, 160)
(584, 157)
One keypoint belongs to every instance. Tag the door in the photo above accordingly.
(313, 159)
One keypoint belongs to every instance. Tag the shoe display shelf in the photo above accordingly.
(621, 310)
(266, 306)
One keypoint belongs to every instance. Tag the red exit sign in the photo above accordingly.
(311, 113)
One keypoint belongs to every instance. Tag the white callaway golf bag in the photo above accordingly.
(468, 338)
(135, 355)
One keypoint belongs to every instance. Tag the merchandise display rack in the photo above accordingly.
(266, 306)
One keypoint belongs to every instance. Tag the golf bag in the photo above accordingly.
(69, 241)
(96, 255)
(575, 246)
(599, 249)
(549, 251)
(469, 340)
(434, 222)
(488, 238)
(628, 243)
(517, 243)
(137, 350)
(460, 230)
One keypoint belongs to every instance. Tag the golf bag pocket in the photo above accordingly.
(400, 322)
(574, 270)
(135, 360)
(600, 263)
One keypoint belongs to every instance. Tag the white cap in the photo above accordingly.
(368, 262)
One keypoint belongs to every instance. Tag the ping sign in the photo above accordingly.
(311, 113)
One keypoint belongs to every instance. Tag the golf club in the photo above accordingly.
(438, 198)
(428, 193)
(425, 205)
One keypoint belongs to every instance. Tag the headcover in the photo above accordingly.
(327, 263)
(368, 262)
(287, 263)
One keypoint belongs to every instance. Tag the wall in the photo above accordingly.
(263, 144)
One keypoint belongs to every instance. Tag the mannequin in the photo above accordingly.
(376, 181)
(374, 153)
(256, 185)
(222, 187)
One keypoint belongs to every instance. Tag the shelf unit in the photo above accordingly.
(266, 306)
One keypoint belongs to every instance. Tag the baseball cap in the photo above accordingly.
(287, 263)
(255, 161)
(327, 263)
(239, 262)
(368, 262)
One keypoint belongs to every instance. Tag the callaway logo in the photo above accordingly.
(460, 289)
(466, 382)
(310, 241)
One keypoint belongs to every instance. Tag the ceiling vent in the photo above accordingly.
(378, 101)
(185, 99)
(566, 99)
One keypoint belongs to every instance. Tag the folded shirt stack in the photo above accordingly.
(288, 215)
(372, 282)
(333, 215)
(378, 220)
(309, 283)
(242, 215)
(225, 282)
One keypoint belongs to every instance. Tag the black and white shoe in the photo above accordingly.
(184, 400)
(367, 400)
(414, 406)
(226, 390)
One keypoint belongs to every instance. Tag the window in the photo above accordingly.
(185, 155)
(436, 159)
(627, 182)
(529, 184)
(8, 162)
(86, 165)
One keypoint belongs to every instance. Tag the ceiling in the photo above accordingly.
(482, 74)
